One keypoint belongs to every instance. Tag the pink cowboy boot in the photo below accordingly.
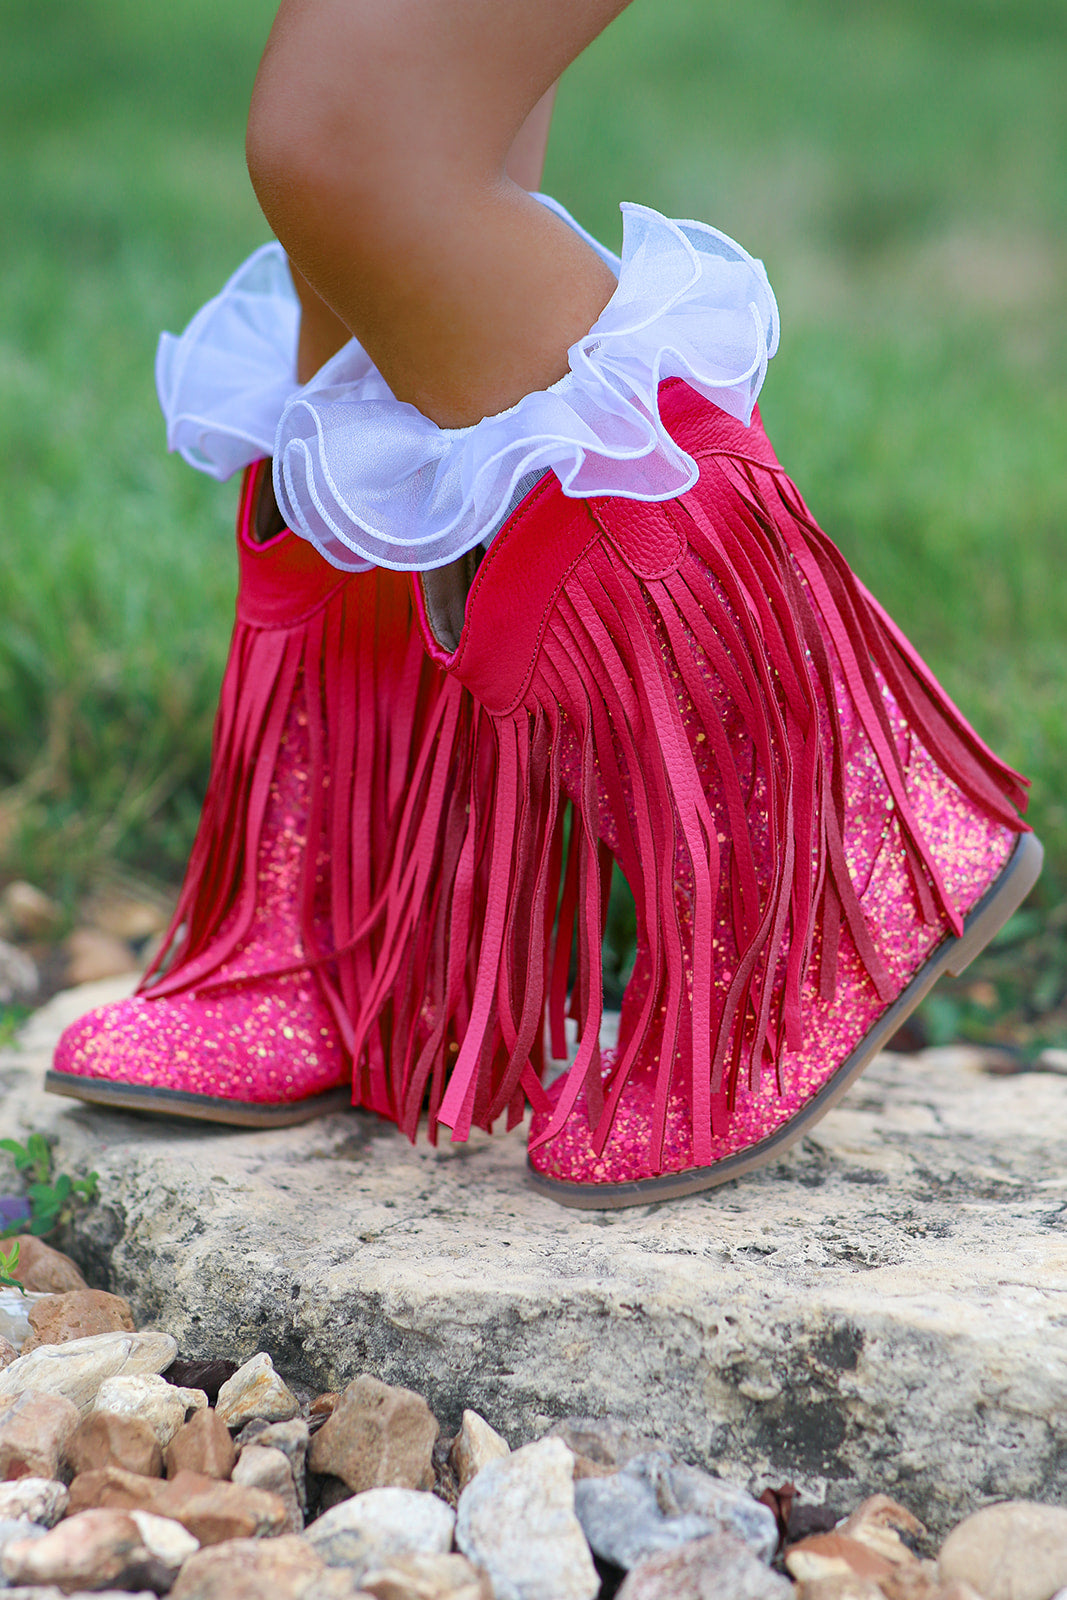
(662, 662)
(247, 1013)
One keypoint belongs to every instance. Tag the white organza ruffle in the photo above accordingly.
(222, 384)
(370, 480)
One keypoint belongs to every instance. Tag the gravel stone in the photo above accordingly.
(106, 1439)
(475, 1445)
(203, 1444)
(90, 1551)
(150, 1397)
(721, 1567)
(255, 1390)
(1015, 1551)
(516, 1519)
(77, 1369)
(34, 1430)
(42, 1500)
(292, 1439)
(654, 1503)
(261, 1467)
(250, 1569)
(370, 1528)
(77, 1314)
(377, 1436)
(448, 1577)
(43, 1270)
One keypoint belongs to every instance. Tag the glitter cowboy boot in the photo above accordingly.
(246, 1015)
(812, 832)
(661, 663)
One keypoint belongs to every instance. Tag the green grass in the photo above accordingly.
(900, 165)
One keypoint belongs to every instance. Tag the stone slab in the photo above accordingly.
(885, 1308)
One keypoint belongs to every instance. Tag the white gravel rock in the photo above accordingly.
(162, 1405)
(369, 1528)
(78, 1368)
(168, 1541)
(516, 1519)
(255, 1390)
(40, 1500)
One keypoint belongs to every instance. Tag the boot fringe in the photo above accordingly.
(683, 650)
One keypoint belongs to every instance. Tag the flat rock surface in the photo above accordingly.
(884, 1308)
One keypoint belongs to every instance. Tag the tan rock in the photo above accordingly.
(203, 1444)
(377, 1437)
(114, 1489)
(215, 1511)
(77, 1369)
(1015, 1551)
(42, 1500)
(106, 1439)
(255, 1390)
(211, 1510)
(92, 954)
(94, 1550)
(261, 1467)
(720, 1567)
(879, 1523)
(46, 1271)
(8, 1353)
(78, 1314)
(162, 1405)
(26, 912)
(828, 1555)
(324, 1404)
(33, 1435)
(250, 1569)
(447, 1577)
(474, 1446)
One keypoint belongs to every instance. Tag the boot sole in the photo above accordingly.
(195, 1107)
(952, 956)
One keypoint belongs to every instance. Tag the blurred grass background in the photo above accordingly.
(901, 167)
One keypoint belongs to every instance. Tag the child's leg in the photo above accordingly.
(378, 144)
(322, 333)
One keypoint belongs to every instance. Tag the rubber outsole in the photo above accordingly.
(195, 1107)
(952, 957)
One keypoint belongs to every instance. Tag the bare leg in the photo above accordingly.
(322, 333)
(378, 141)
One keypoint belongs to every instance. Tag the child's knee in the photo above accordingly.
(314, 121)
